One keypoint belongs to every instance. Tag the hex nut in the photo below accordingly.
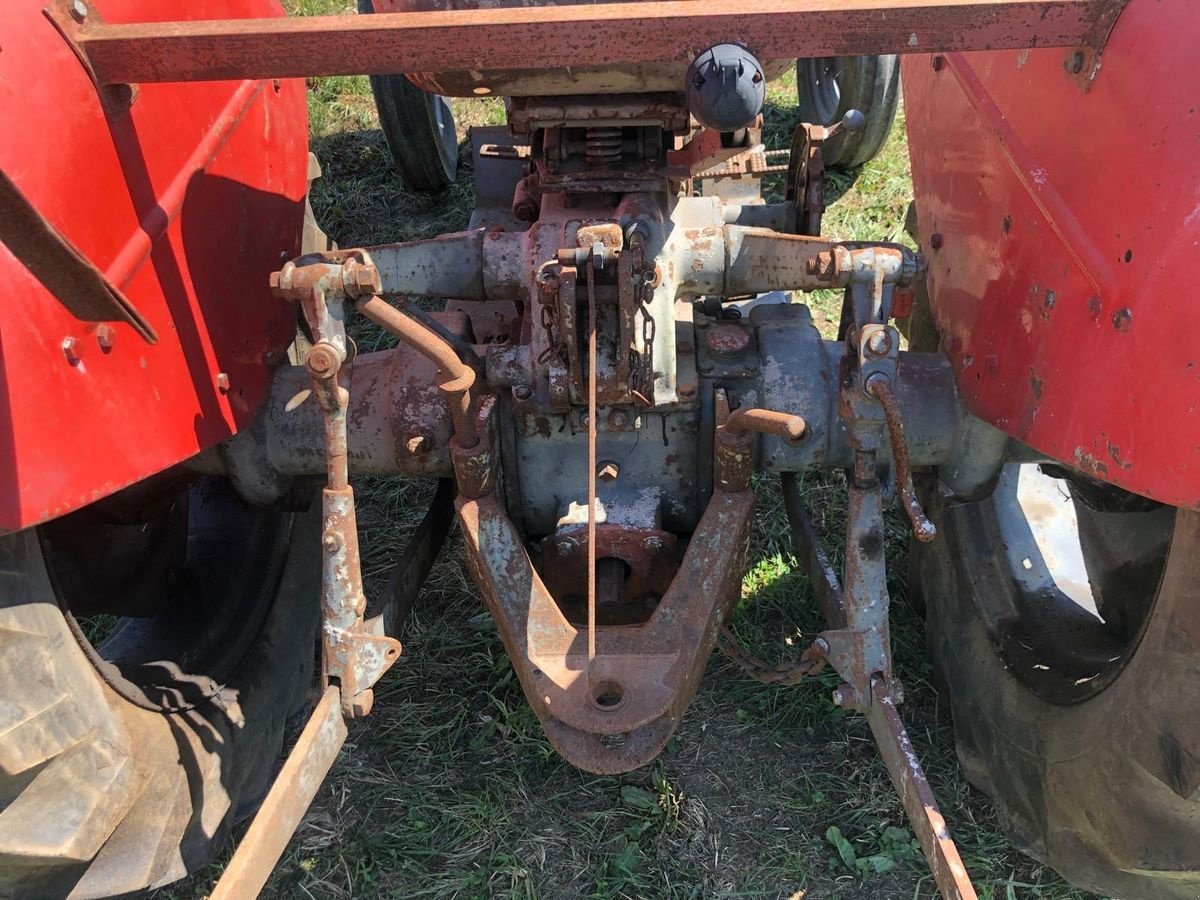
(364, 278)
(522, 392)
(223, 382)
(607, 470)
(565, 547)
(79, 10)
(653, 545)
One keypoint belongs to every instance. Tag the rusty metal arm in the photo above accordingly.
(766, 421)
(289, 798)
(584, 35)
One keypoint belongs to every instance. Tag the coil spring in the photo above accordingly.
(604, 147)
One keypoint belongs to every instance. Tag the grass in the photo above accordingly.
(450, 789)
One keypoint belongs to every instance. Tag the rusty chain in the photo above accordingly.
(787, 673)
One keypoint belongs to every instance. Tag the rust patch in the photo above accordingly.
(1035, 384)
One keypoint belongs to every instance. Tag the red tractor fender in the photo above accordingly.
(185, 200)
(1066, 201)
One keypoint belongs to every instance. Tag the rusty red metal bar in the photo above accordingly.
(289, 798)
(908, 778)
(547, 37)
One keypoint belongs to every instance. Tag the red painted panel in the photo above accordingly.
(1065, 286)
(187, 202)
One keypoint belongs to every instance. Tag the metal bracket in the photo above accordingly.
(69, 17)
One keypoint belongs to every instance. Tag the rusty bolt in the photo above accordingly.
(685, 348)
(653, 545)
(687, 390)
(823, 265)
(331, 541)
(617, 419)
(935, 241)
(323, 360)
(845, 697)
(417, 443)
(361, 279)
(106, 337)
(566, 546)
(71, 350)
(223, 382)
(879, 343)
(274, 279)
(1075, 62)
(79, 10)
(522, 392)
(607, 470)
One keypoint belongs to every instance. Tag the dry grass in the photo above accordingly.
(450, 789)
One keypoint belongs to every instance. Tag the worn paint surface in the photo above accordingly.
(584, 35)
(139, 196)
(650, 672)
(1068, 229)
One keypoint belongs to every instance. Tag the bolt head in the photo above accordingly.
(106, 337)
(879, 343)
(331, 541)
(322, 361)
(844, 696)
(653, 545)
(607, 471)
(71, 350)
(936, 241)
(522, 392)
(565, 547)
(617, 419)
(78, 10)
(223, 382)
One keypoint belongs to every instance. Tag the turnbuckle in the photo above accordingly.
(352, 658)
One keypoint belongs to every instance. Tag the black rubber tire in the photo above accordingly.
(829, 87)
(100, 795)
(418, 127)
(1105, 789)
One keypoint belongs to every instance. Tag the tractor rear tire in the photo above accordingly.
(418, 127)
(124, 772)
(1086, 734)
(829, 87)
